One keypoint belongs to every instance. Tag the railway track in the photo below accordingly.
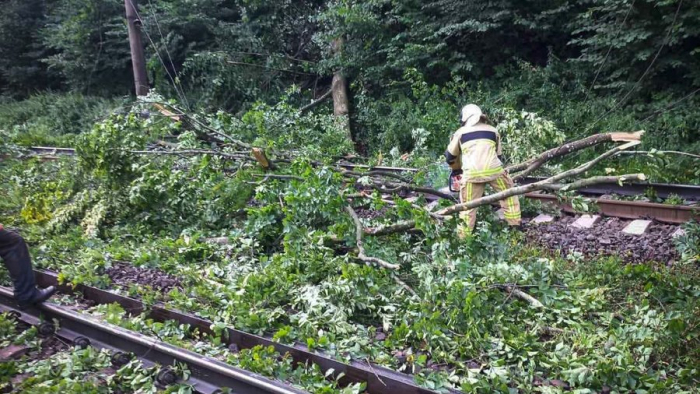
(208, 376)
(601, 194)
(378, 379)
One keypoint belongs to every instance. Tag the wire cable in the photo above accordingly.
(607, 54)
(180, 94)
(636, 85)
(167, 51)
(672, 105)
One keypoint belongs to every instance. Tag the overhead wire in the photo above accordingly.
(181, 94)
(672, 105)
(607, 54)
(618, 103)
(165, 46)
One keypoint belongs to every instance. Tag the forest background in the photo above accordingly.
(291, 265)
(585, 66)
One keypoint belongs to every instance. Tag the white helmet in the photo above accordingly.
(471, 114)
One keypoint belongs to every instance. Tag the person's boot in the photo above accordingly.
(40, 296)
(517, 227)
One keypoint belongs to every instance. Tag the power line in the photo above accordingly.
(666, 40)
(181, 94)
(672, 105)
(165, 46)
(619, 30)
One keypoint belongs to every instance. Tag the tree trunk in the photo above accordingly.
(341, 102)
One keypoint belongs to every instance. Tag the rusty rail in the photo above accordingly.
(630, 209)
(662, 190)
(378, 379)
(208, 376)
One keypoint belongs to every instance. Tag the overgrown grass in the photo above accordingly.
(51, 119)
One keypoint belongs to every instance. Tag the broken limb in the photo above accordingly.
(191, 121)
(360, 247)
(590, 181)
(660, 152)
(522, 295)
(316, 102)
(543, 185)
(393, 203)
(514, 191)
(404, 285)
(392, 187)
(281, 177)
(189, 152)
(374, 173)
(531, 165)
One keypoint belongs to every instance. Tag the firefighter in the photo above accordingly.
(473, 154)
(15, 256)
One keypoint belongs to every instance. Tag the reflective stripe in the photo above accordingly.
(490, 172)
(511, 212)
(478, 135)
(492, 156)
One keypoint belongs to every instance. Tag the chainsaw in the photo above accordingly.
(455, 180)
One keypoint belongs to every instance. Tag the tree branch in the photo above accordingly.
(281, 177)
(316, 102)
(542, 185)
(531, 165)
(673, 152)
(522, 295)
(190, 152)
(360, 247)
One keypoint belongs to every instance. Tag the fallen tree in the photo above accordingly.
(546, 184)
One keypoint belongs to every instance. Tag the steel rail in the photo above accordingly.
(379, 380)
(662, 190)
(207, 375)
(665, 213)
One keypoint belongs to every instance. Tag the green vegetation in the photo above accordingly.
(545, 73)
(284, 272)
(72, 370)
(585, 67)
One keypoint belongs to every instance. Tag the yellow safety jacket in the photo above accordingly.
(475, 150)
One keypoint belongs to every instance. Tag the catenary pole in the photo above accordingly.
(138, 62)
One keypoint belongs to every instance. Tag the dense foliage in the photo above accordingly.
(584, 67)
(545, 72)
(289, 270)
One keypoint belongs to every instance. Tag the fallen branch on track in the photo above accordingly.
(543, 185)
(548, 184)
(360, 247)
(527, 167)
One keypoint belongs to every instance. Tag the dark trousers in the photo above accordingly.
(15, 256)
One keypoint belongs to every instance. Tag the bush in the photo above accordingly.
(51, 118)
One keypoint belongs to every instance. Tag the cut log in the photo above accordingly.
(339, 87)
